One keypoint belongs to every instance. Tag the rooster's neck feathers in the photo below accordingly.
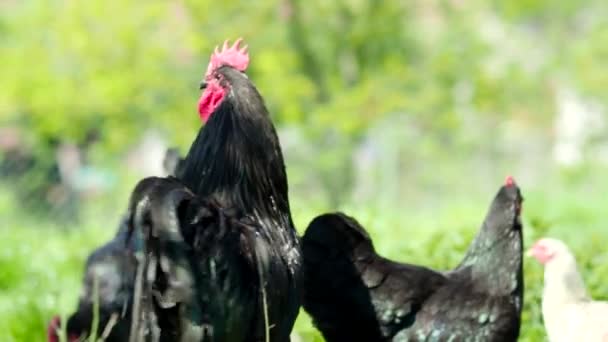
(236, 156)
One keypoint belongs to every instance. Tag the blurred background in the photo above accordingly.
(406, 114)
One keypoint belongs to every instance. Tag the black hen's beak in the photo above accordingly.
(202, 85)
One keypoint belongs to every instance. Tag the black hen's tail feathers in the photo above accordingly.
(351, 292)
(207, 269)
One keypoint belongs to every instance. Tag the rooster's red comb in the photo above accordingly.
(509, 181)
(233, 56)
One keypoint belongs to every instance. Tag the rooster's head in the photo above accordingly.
(215, 84)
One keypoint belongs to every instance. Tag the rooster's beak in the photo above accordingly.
(202, 85)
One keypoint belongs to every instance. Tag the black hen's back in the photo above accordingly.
(352, 293)
(213, 274)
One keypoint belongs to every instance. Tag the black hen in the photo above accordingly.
(207, 269)
(114, 265)
(108, 280)
(353, 294)
(236, 172)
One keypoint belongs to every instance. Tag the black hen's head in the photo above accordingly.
(54, 329)
(504, 213)
(499, 243)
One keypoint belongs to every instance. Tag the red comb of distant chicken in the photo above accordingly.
(510, 181)
(51, 330)
(233, 56)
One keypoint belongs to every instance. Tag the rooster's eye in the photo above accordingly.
(218, 77)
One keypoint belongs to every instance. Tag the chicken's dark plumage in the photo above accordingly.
(109, 276)
(237, 156)
(210, 272)
(222, 230)
(353, 294)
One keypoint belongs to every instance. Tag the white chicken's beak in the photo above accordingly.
(529, 253)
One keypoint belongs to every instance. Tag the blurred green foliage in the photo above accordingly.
(454, 93)
(456, 68)
(116, 68)
(120, 66)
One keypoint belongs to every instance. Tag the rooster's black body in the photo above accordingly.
(222, 258)
(353, 294)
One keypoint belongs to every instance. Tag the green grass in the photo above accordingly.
(41, 263)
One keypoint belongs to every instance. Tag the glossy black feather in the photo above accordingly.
(211, 272)
(352, 293)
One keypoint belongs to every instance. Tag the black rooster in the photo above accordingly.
(353, 294)
(222, 230)
(108, 283)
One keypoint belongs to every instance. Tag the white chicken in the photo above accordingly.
(569, 312)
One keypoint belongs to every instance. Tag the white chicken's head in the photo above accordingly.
(547, 249)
